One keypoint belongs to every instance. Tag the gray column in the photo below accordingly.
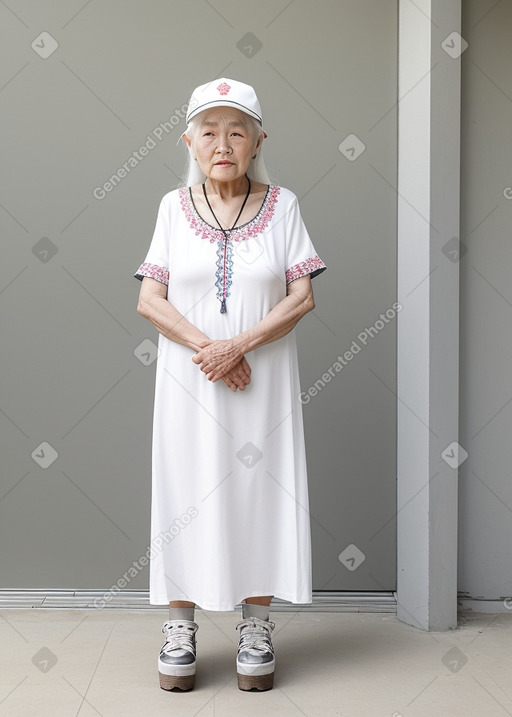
(428, 290)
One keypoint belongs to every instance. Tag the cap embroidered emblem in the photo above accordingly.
(223, 88)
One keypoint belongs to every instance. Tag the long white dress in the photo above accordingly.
(229, 504)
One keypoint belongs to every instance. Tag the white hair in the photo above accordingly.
(256, 170)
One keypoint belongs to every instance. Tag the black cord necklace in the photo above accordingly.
(227, 233)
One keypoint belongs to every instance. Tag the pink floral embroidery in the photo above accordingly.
(154, 272)
(251, 229)
(312, 266)
(224, 88)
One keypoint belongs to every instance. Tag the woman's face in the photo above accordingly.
(224, 143)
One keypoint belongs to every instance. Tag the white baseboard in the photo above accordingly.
(488, 606)
(323, 601)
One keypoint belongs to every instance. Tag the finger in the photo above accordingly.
(242, 376)
(243, 373)
(202, 355)
(207, 364)
(230, 384)
(208, 367)
(198, 357)
(217, 370)
(239, 384)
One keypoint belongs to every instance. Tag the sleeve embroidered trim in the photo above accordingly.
(154, 272)
(312, 266)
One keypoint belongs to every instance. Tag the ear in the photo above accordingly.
(261, 137)
(187, 139)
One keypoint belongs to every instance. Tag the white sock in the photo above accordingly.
(181, 613)
(252, 610)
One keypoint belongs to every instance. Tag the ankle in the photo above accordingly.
(254, 610)
(181, 613)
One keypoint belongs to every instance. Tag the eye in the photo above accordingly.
(207, 133)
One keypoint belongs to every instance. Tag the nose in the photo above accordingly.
(223, 143)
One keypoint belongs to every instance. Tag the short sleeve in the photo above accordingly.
(156, 263)
(301, 257)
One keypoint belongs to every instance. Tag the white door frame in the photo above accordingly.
(428, 324)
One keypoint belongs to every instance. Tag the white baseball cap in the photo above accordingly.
(224, 93)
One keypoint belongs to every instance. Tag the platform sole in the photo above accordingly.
(176, 682)
(255, 682)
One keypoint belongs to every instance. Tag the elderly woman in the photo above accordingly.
(226, 279)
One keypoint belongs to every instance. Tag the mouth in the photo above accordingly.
(223, 163)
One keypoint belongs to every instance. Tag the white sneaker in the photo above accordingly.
(255, 660)
(177, 659)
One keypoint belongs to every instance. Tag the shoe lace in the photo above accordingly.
(180, 635)
(255, 634)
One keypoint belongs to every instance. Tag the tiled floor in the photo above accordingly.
(98, 662)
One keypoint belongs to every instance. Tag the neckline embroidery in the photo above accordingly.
(250, 229)
(224, 262)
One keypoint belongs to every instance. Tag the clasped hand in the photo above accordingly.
(223, 359)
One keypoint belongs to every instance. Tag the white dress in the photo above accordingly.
(229, 504)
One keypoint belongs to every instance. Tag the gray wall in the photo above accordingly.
(323, 71)
(485, 488)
